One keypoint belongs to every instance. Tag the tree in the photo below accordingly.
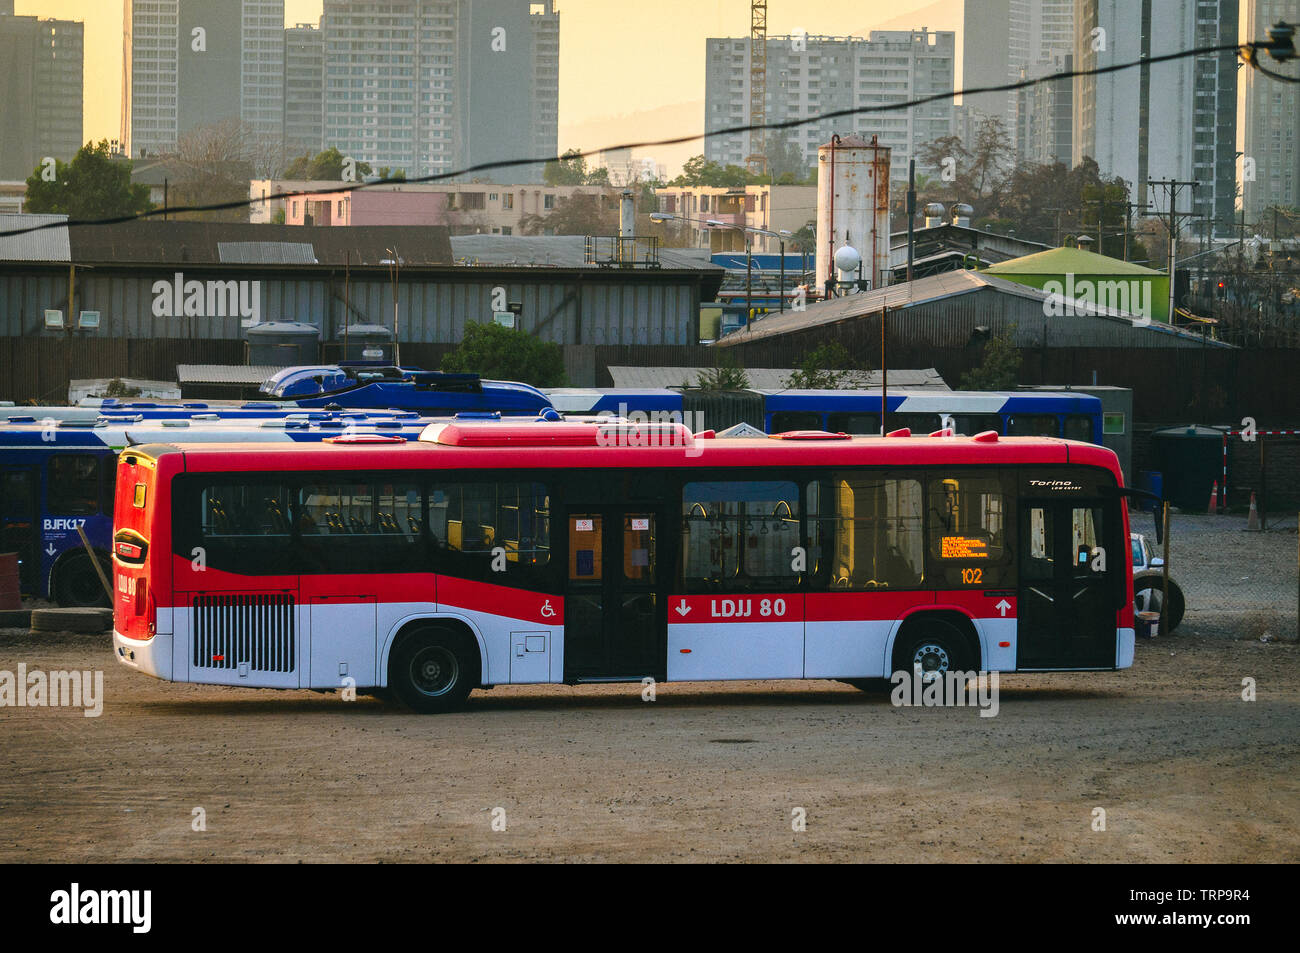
(785, 163)
(494, 351)
(569, 169)
(698, 170)
(327, 165)
(803, 240)
(391, 175)
(582, 213)
(91, 186)
(211, 168)
(828, 367)
(1000, 368)
(977, 173)
(728, 375)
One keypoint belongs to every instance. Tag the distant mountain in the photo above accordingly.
(661, 122)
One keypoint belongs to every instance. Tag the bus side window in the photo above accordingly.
(739, 534)
(871, 523)
(784, 421)
(493, 531)
(968, 516)
(1033, 425)
(73, 484)
(1078, 427)
(242, 527)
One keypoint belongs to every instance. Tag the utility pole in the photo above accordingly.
(1172, 188)
(911, 216)
(1129, 209)
(1058, 212)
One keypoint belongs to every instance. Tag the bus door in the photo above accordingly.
(1066, 611)
(614, 592)
(19, 522)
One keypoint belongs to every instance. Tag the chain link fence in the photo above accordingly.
(1237, 582)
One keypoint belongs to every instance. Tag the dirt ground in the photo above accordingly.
(1183, 767)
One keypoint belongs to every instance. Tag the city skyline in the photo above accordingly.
(610, 91)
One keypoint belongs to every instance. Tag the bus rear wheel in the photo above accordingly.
(77, 584)
(432, 671)
(932, 650)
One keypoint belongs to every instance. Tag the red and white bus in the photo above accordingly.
(491, 554)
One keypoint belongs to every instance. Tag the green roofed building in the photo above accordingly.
(1099, 280)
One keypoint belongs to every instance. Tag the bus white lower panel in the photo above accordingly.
(733, 650)
(1125, 648)
(152, 656)
(997, 657)
(847, 649)
(541, 647)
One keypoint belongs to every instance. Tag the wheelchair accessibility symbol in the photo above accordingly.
(547, 611)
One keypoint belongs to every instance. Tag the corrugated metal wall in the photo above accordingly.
(595, 309)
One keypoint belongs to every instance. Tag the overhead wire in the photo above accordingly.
(1248, 52)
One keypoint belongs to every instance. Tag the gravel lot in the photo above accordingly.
(1184, 768)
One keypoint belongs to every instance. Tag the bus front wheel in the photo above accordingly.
(932, 649)
(432, 671)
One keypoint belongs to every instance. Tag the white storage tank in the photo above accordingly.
(853, 206)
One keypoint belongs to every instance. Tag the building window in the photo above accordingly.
(508, 200)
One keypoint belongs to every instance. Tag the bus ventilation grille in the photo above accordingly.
(252, 628)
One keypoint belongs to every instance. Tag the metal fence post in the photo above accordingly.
(1164, 575)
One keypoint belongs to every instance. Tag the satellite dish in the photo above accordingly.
(847, 259)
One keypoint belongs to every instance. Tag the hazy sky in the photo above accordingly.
(627, 69)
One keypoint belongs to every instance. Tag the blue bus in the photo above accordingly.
(432, 393)
(1066, 414)
(56, 476)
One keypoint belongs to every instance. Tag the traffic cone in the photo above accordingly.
(1213, 508)
(1252, 522)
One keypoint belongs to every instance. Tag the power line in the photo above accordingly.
(1247, 51)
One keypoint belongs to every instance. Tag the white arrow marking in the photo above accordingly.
(683, 608)
(50, 550)
(1003, 606)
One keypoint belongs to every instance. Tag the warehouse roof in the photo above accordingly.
(1061, 261)
(768, 378)
(1082, 321)
(557, 251)
(47, 244)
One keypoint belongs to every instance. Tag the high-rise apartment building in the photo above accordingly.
(1005, 41)
(194, 63)
(429, 86)
(40, 91)
(1272, 160)
(1170, 120)
(1045, 115)
(809, 75)
(304, 89)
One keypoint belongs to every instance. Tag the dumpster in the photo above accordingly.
(1190, 460)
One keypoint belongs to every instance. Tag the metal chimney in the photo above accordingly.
(627, 214)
